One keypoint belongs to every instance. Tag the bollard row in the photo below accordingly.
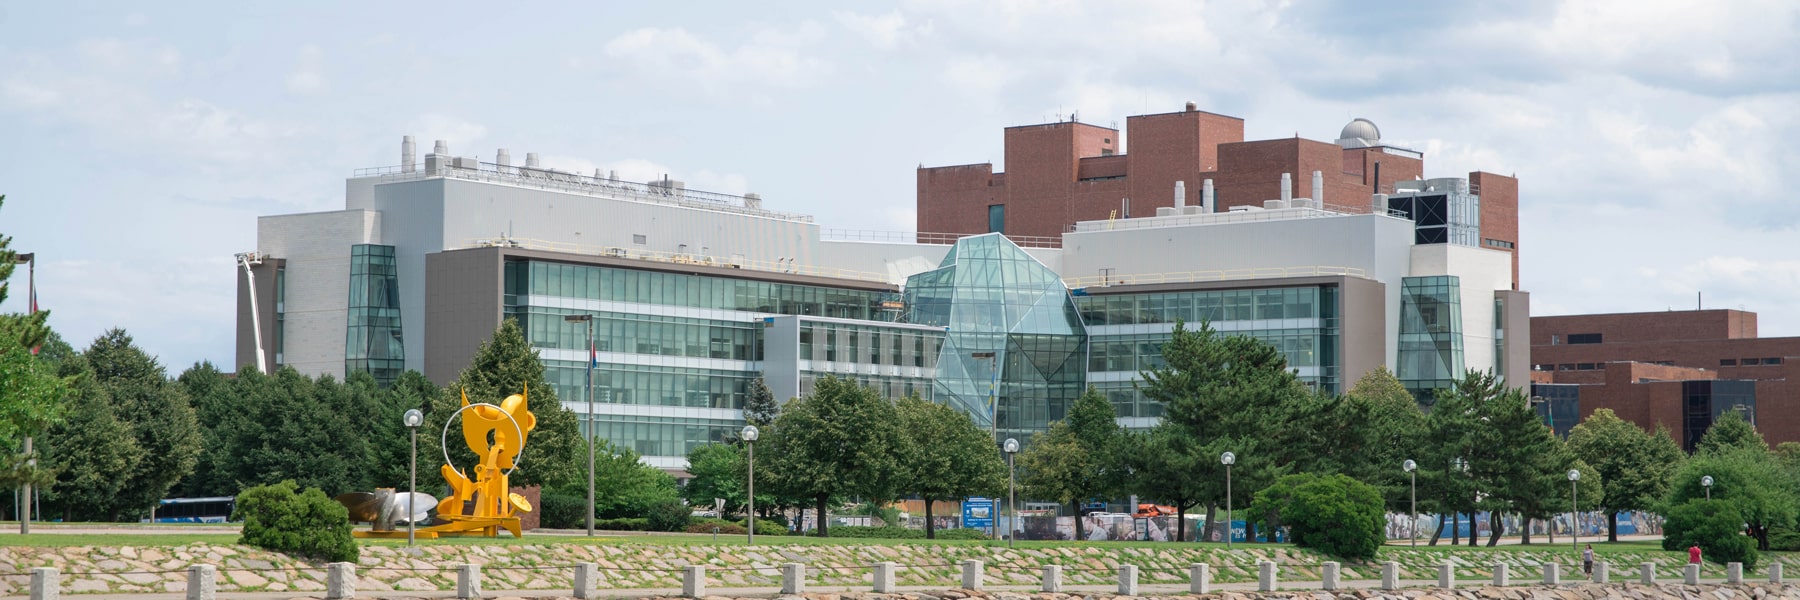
(340, 580)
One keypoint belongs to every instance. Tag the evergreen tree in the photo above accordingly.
(88, 452)
(1636, 464)
(162, 421)
(215, 400)
(1730, 432)
(760, 409)
(554, 453)
(1082, 457)
(27, 331)
(945, 455)
(390, 445)
(1167, 463)
(837, 442)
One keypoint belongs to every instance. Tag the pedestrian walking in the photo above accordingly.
(1587, 561)
(1694, 554)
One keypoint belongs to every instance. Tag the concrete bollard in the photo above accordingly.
(1328, 580)
(1734, 572)
(1690, 574)
(1774, 572)
(203, 582)
(1447, 575)
(1647, 573)
(793, 578)
(884, 577)
(1390, 575)
(971, 576)
(1502, 577)
(1552, 574)
(1602, 571)
(1052, 579)
(46, 583)
(468, 581)
(1199, 579)
(1128, 580)
(693, 581)
(1265, 576)
(340, 581)
(587, 578)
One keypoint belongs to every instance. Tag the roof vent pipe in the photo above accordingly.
(442, 148)
(1287, 187)
(503, 158)
(407, 154)
(531, 160)
(1180, 194)
(1206, 196)
(1191, 107)
(1318, 189)
(1378, 204)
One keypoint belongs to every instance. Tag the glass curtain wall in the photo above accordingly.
(1014, 352)
(1431, 351)
(372, 338)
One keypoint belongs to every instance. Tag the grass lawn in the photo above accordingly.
(64, 540)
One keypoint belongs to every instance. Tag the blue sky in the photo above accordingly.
(1653, 140)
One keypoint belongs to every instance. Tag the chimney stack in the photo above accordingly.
(406, 154)
(1191, 107)
(531, 160)
(1318, 190)
(1180, 194)
(504, 158)
(1287, 188)
(441, 149)
(1206, 196)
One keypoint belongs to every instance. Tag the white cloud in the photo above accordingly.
(886, 31)
(308, 76)
(770, 58)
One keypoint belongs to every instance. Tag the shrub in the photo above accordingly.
(1717, 526)
(303, 524)
(670, 516)
(562, 511)
(709, 525)
(1784, 539)
(629, 524)
(1333, 514)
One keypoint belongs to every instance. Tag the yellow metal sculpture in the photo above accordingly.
(483, 505)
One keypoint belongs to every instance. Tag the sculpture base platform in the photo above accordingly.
(423, 534)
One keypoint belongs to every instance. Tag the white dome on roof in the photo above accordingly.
(1362, 129)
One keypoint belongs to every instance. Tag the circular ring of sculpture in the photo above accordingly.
(444, 439)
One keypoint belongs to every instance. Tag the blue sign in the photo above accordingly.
(978, 513)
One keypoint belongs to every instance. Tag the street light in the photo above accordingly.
(413, 419)
(1574, 528)
(30, 260)
(1011, 447)
(589, 391)
(1706, 482)
(1227, 459)
(749, 434)
(1411, 469)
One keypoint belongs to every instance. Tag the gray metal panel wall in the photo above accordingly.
(1362, 328)
(265, 304)
(1518, 337)
(781, 357)
(463, 294)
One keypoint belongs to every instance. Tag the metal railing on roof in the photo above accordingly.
(734, 262)
(662, 192)
(933, 239)
(1237, 216)
(1215, 275)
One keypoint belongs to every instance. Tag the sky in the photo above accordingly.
(140, 141)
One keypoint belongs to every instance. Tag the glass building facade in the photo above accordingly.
(1558, 404)
(1704, 401)
(1431, 344)
(895, 361)
(1014, 354)
(1126, 333)
(372, 336)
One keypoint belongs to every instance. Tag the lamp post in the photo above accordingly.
(1706, 483)
(413, 419)
(750, 434)
(589, 392)
(1227, 459)
(1011, 447)
(1574, 528)
(1412, 469)
(30, 260)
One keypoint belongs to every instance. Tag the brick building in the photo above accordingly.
(1061, 173)
(1681, 369)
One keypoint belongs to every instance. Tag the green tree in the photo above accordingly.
(1166, 463)
(1393, 427)
(1751, 478)
(162, 421)
(390, 440)
(1082, 459)
(215, 400)
(88, 451)
(718, 472)
(624, 486)
(1333, 513)
(554, 453)
(26, 331)
(1715, 526)
(944, 455)
(838, 441)
(1730, 432)
(760, 408)
(1636, 464)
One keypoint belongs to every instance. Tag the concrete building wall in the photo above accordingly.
(1517, 335)
(316, 251)
(1482, 274)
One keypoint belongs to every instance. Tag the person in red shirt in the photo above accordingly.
(1694, 554)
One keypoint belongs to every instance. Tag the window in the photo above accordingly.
(997, 218)
(1727, 362)
(1772, 361)
(1555, 339)
(1565, 367)
(639, 239)
(1503, 244)
(1749, 362)
(1584, 338)
(1584, 366)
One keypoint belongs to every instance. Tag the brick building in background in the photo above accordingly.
(1681, 369)
(1061, 173)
